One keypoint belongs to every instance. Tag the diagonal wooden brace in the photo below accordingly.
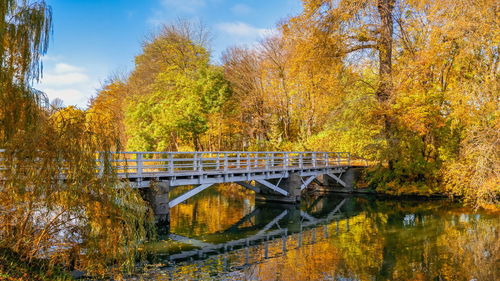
(249, 186)
(341, 182)
(307, 182)
(188, 194)
(191, 241)
(273, 187)
(337, 209)
(272, 223)
(308, 217)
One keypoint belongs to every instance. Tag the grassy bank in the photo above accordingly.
(13, 267)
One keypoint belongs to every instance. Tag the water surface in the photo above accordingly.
(222, 234)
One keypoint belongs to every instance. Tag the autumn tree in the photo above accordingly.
(399, 82)
(420, 62)
(82, 222)
(242, 69)
(108, 108)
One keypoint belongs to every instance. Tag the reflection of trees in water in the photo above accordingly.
(361, 247)
(470, 249)
(388, 240)
(439, 243)
(215, 209)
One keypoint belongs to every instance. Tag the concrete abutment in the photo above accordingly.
(328, 183)
(157, 197)
(291, 185)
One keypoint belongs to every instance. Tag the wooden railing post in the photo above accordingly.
(200, 162)
(195, 161)
(101, 164)
(248, 161)
(238, 163)
(326, 159)
(349, 159)
(285, 160)
(301, 160)
(226, 163)
(139, 164)
(313, 159)
(170, 162)
(266, 159)
(217, 165)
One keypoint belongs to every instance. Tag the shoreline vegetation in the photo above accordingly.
(412, 86)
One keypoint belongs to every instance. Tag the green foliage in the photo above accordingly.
(12, 267)
(177, 109)
(353, 128)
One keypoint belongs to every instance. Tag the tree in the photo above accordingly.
(103, 225)
(107, 109)
(411, 84)
(242, 70)
(178, 93)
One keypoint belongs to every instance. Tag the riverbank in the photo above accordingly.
(392, 196)
(12, 267)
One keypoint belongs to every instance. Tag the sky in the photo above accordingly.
(93, 39)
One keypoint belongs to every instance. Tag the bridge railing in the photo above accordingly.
(214, 161)
(140, 163)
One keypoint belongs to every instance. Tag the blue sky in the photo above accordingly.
(94, 38)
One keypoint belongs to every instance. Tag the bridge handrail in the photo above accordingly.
(139, 162)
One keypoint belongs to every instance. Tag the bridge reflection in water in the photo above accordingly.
(270, 228)
(365, 239)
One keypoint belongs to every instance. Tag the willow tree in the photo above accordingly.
(83, 221)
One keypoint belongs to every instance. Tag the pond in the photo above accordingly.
(223, 234)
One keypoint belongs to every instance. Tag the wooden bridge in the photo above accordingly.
(274, 176)
(191, 168)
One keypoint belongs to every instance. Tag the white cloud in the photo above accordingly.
(57, 79)
(64, 74)
(47, 58)
(67, 82)
(241, 9)
(244, 30)
(70, 96)
(65, 68)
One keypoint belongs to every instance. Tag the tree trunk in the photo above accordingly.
(384, 91)
(196, 142)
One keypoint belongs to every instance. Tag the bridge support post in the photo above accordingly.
(157, 197)
(339, 182)
(292, 185)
